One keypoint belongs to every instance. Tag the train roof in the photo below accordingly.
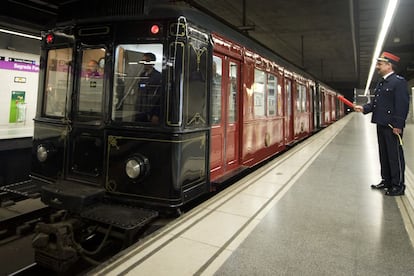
(209, 22)
(212, 23)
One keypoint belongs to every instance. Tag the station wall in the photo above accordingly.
(19, 74)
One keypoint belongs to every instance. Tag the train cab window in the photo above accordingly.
(259, 92)
(137, 83)
(91, 82)
(58, 80)
(194, 97)
(216, 90)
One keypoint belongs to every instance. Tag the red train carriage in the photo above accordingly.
(225, 108)
(329, 105)
(263, 109)
(258, 108)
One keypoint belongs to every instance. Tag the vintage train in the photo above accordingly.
(142, 114)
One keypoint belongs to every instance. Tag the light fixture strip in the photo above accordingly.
(389, 15)
(20, 34)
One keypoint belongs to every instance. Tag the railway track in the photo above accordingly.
(12, 193)
(20, 210)
(85, 264)
(33, 270)
(23, 210)
(20, 219)
(29, 267)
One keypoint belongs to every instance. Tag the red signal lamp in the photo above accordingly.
(155, 29)
(50, 38)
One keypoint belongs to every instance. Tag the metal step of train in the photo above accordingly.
(121, 216)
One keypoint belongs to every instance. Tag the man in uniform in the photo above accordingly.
(148, 86)
(389, 111)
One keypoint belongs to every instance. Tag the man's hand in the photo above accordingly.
(358, 108)
(396, 131)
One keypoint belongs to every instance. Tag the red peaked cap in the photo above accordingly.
(388, 57)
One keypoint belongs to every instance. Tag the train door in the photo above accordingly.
(86, 138)
(289, 122)
(333, 108)
(316, 107)
(312, 122)
(322, 107)
(224, 155)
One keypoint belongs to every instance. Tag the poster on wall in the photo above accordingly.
(17, 107)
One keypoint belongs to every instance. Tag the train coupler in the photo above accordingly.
(54, 245)
(71, 196)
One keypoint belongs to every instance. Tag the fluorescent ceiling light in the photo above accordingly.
(389, 15)
(20, 34)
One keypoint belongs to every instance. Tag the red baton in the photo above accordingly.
(345, 101)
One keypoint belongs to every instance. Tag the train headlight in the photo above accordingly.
(133, 168)
(136, 167)
(42, 153)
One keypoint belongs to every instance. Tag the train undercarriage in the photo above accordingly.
(91, 227)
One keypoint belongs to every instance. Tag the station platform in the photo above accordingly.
(16, 131)
(15, 137)
(310, 211)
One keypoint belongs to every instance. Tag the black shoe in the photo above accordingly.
(396, 191)
(380, 186)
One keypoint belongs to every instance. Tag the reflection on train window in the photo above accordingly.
(259, 92)
(304, 98)
(271, 94)
(279, 100)
(232, 103)
(301, 98)
(58, 79)
(137, 83)
(216, 91)
(288, 92)
(91, 82)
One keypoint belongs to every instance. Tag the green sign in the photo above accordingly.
(17, 106)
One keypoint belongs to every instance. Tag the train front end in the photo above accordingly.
(121, 131)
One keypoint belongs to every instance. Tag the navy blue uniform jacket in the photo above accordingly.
(391, 102)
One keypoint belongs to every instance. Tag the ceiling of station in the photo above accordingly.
(333, 40)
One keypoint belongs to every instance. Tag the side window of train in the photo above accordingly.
(91, 82)
(289, 99)
(271, 95)
(216, 90)
(259, 88)
(301, 98)
(232, 101)
(267, 94)
(298, 98)
(304, 98)
(137, 83)
(279, 100)
(58, 81)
